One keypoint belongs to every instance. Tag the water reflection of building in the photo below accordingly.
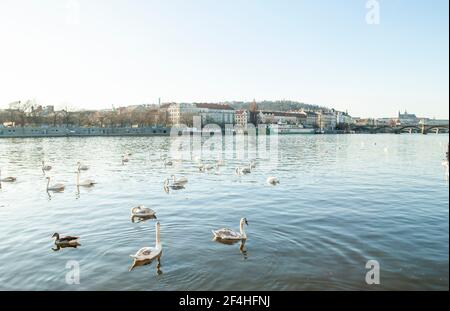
(253, 118)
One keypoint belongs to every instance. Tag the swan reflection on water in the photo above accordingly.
(242, 248)
(138, 219)
(139, 263)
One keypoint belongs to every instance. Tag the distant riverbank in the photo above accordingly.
(31, 132)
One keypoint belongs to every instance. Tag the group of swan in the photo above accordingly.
(59, 187)
(271, 180)
(147, 254)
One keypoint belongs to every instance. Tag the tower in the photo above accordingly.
(254, 113)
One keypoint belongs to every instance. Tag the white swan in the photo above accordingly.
(252, 165)
(56, 187)
(150, 253)
(141, 211)
(272, 180)
(172, 185)
(7, 179)
(167, 163)
(82, 167)
(228, 234)
(46, 167)
(206, 167)
(180, 181)
(243, 170)
(125, 159)
(84, 183)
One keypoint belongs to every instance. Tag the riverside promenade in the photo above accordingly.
(29, 132)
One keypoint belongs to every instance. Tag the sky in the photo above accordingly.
(92, 54)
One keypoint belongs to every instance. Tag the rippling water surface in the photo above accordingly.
(342, 200)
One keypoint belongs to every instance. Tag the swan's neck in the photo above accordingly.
(158, 237)
(48, 183)
(243, 234)
(78, 178)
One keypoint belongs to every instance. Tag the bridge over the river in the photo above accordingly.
(413, 128)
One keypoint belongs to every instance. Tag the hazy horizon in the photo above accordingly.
(97, 54)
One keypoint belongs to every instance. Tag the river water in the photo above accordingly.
(342, 200)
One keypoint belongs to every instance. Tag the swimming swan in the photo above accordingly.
(141, 211)
(228, 234)
(82, 167)
(46, 167)
(150, 253)
(7, 179)
(180, 181)
(243, 170)
(125, 159)
(57, 187)
(272, 180)
(84, 183)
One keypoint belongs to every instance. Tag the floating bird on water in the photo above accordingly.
(82, 167)
(180, 181)
(46, 167)
(125, 159)
(206, 167)
(56, 187)
(228, 234)
(8, 179)
(148, 254)
(167, 162)
(272, 180)
(63, 241)
(243, 170)
(172, 185)
(141, 211)
(84, 183)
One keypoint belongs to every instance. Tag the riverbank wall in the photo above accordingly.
(29, 132)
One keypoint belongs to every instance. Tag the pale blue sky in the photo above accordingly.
(315, 51)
